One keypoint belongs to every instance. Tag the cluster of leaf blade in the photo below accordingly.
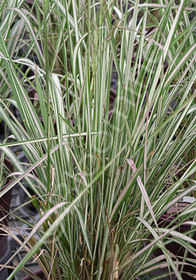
(102, 178)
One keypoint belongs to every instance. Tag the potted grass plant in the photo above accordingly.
(103, 173)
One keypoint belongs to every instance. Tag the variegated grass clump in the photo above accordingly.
(103, 174)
